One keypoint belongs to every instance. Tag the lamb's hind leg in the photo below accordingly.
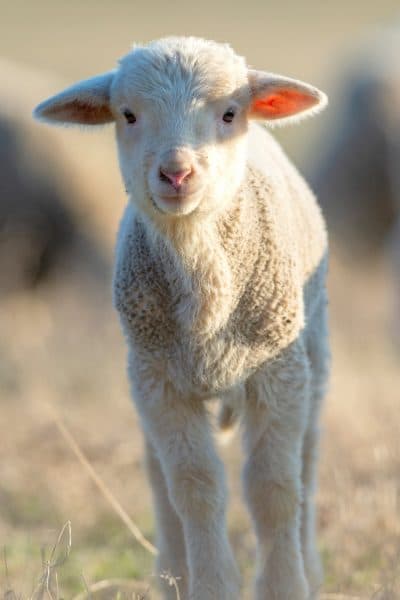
(312, 563)
(274, 422)
(319, 357)
(170, 541)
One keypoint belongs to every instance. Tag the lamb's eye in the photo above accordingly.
(228, 116)
(129, 116)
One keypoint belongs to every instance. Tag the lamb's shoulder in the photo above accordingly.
(270, 313)
(296, 225)
(299, 222)
(290, 238)
(141, 293)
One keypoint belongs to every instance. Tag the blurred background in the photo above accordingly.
(60, 345)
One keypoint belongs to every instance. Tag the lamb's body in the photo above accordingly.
(220, 285)
(208, 302)
(236, 307)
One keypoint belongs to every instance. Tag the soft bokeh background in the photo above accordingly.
(60, 345)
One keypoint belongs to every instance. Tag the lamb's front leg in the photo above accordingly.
(170, 541)
(180, 432)
(275, 412)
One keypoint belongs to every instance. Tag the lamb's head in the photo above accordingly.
(181, 108)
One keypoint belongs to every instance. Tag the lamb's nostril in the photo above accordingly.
(175, 178)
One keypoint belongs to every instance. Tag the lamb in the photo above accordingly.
(220, 286)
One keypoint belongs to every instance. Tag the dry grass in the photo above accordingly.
(48, 587)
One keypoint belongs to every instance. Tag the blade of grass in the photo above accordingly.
(106, 492)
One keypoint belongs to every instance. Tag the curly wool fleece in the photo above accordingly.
(210, 301)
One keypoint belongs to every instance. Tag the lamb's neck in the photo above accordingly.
(193, 243)
(199, 275)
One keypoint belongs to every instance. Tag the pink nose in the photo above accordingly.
(175, 178)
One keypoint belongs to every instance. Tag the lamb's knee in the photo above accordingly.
(198, 490)
(273, 502)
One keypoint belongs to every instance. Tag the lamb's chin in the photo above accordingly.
(176, 205)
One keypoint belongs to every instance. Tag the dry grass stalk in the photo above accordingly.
(9, 594)
(113, 589)
(172, 582)
(106, 492)
(48, 584)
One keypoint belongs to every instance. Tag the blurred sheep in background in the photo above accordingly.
(357, 177)
(42, 233)
(36, 227)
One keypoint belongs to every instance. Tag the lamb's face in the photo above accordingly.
(181, 114)
(181, 107)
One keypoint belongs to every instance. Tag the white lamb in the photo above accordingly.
(220, 286)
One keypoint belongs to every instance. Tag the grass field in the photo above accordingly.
(61, 345)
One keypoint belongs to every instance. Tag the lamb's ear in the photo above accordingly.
(87, 102)
(281, 99)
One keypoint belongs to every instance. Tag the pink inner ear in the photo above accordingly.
(282, 103)
(79, 111)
